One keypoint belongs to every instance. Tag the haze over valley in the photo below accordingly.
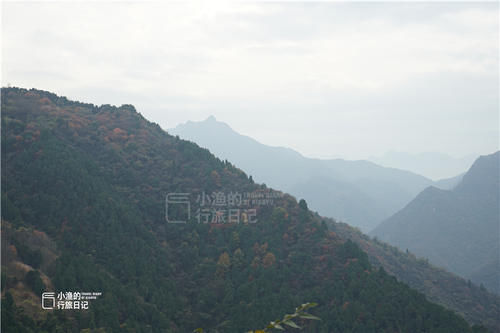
(360, 193)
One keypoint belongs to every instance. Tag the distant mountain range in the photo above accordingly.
(457, 229)
(360, 193)
(431, 164)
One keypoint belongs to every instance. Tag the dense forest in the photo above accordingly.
(83, 209)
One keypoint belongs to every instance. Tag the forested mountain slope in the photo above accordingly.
(83, 191)
(473, 302)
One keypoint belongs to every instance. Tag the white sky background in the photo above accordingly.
(327, 79)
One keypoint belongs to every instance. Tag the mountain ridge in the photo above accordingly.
(431, 164)
(385, 190)
(457, 228)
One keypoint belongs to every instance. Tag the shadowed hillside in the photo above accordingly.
(456, 229)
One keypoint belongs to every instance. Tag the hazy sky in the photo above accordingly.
(327, 79)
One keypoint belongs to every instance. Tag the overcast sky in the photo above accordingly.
(327, 79)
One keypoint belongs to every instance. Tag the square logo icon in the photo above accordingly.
(48, 300)
(178, 208)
